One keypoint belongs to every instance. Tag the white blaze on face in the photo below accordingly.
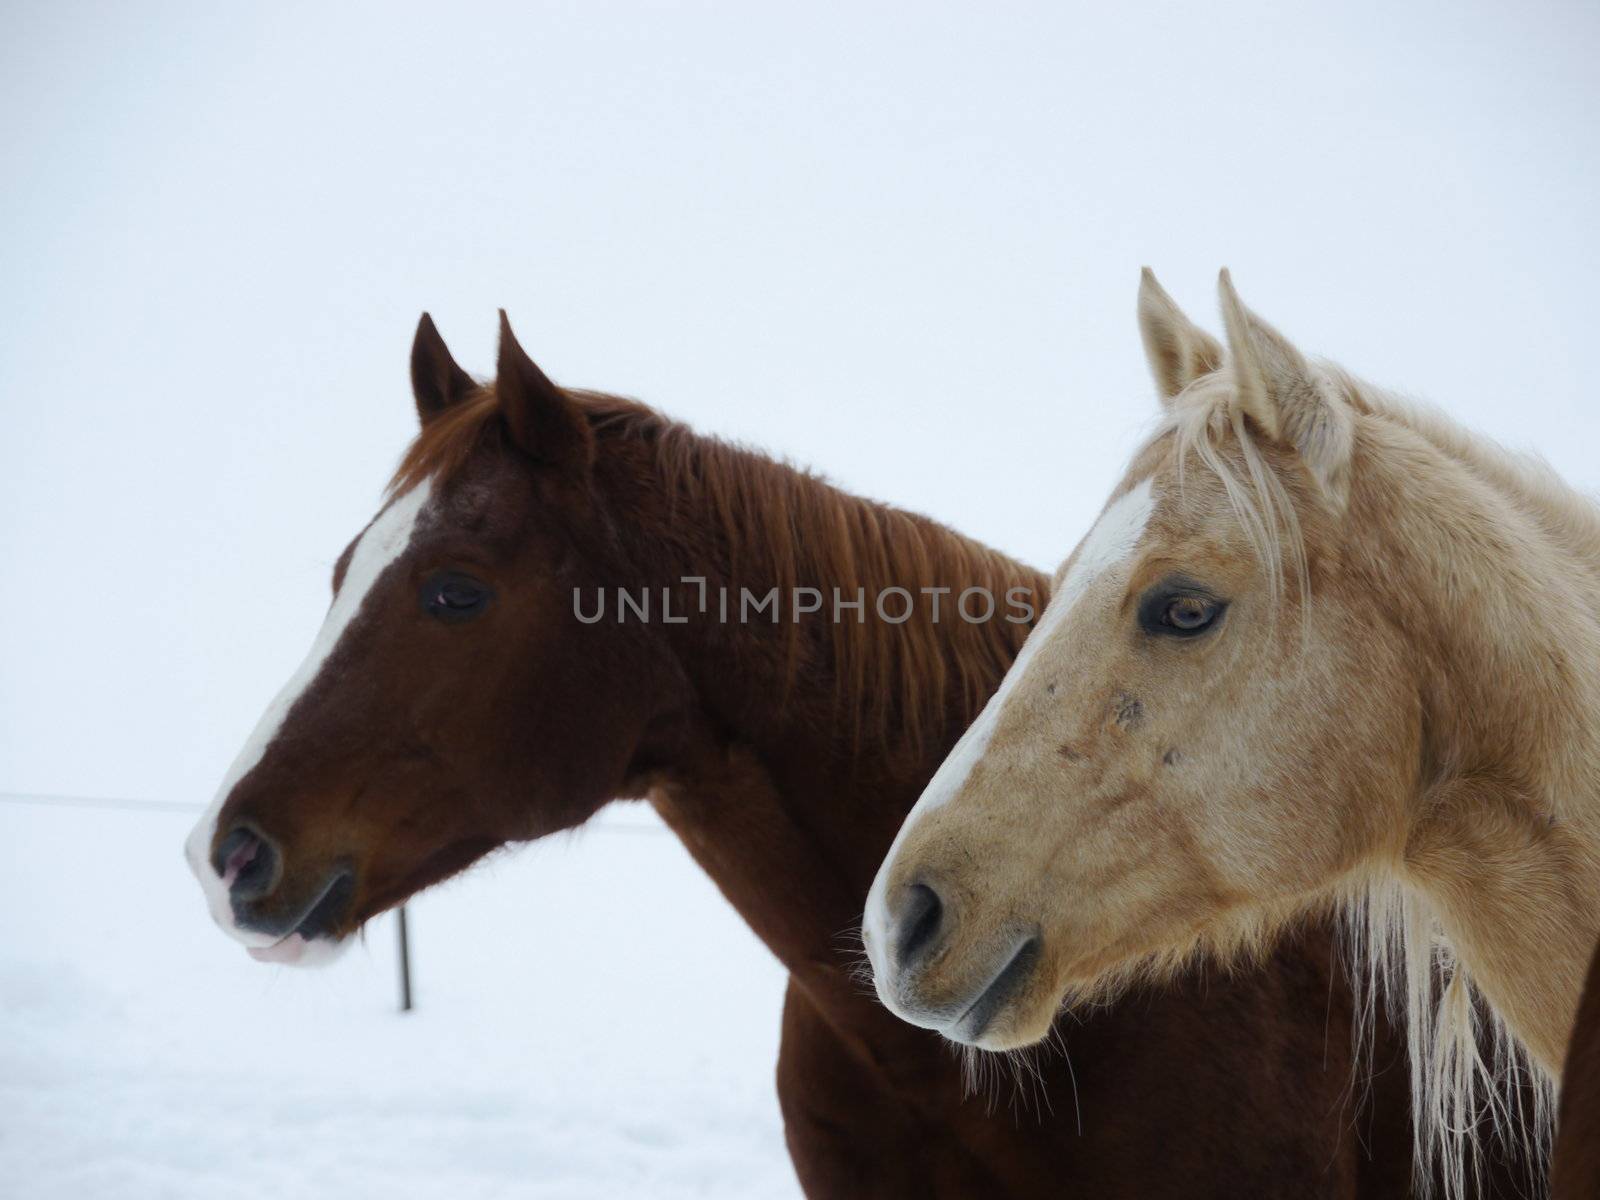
(382, 542)
(1112, 540)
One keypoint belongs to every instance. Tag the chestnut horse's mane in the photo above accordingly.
(897, 685)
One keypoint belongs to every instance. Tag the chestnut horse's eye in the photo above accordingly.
(1176, 613)
(452, 596)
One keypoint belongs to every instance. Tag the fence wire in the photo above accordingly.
(130, 804)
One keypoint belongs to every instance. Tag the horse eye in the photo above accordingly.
(1189, 613)
(452, 596)
(1179, 614)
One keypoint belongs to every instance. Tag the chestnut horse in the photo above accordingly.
(1575, 1165)
(1321, 651)
(462, 695)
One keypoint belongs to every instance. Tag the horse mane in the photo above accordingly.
(1468, 1071)
(897, 686)
(1203, 418)
(1563, 513)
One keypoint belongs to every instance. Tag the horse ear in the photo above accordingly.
(1289, 400)
(436, 381)
(1179, 350)
(546, 423)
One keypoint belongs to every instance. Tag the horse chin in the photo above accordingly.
(1016, 1027)
(297, 950)
(1005, 1015)
(1001, 1041)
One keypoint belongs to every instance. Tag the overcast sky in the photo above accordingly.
(897, 243)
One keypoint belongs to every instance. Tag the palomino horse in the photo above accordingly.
(1320, 651)
(463, 694)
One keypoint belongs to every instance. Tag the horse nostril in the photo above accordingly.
(247, 863)
(918, 925)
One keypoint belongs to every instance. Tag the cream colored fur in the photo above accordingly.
(1398, 718)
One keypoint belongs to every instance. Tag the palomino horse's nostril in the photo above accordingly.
(247, 864)
(917, 926)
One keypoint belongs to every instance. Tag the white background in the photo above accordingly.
(898, 243)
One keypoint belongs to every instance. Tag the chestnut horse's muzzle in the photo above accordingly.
(280, 915)
(250, 866)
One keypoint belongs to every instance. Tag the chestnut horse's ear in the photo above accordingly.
(1288, 399)
(1179, 350)
(436, 381)
(545, 422)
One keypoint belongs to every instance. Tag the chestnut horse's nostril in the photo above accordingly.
(247, 864)
(917, 928)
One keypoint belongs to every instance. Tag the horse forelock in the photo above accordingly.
(1205, 425)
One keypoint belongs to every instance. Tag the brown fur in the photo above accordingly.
(785, 758)
(778, 525)
(1575, 1165)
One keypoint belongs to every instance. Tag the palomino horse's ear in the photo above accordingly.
(1288, 399)
(436, 381)
(1179, 350)
(544, 421)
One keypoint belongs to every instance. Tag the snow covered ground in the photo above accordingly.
(579, 1032)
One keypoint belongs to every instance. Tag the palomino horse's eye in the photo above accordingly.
(453, 596)
(1189, 613)
(1178, 613)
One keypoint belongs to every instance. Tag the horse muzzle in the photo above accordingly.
(924, 974)
(281, 916)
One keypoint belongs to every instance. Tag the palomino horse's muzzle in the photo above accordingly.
(912, 968)
(918, 928)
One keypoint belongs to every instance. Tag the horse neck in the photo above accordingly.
(788, 790)
(1496, 596)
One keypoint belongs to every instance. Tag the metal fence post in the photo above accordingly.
(405, 961)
